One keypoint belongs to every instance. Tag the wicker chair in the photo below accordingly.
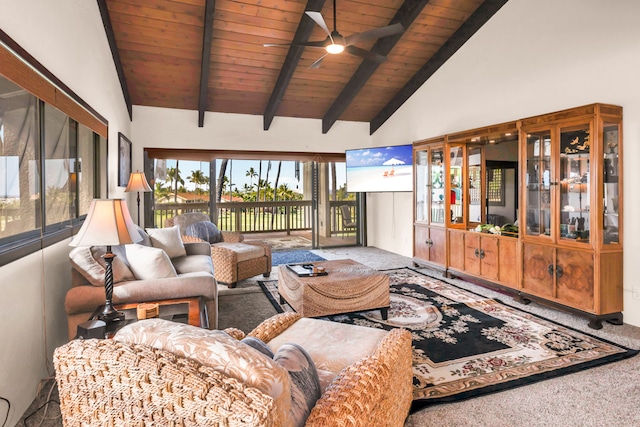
(230, 260)
(104, 382)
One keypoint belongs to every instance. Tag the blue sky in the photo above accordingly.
(237, 170)
(377, 156)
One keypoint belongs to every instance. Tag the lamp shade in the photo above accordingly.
(137, 182)
(108, 223)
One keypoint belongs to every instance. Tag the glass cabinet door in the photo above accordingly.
(457, 184)
(430, 202)
(437, 185)
(611, 183)
(474, 155)
(575, 202)
(422, 185)
(538, 184)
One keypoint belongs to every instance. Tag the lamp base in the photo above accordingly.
(111, 315)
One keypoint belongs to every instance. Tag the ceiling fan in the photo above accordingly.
(336, 43)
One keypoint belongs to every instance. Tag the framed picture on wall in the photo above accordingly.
(124, 160)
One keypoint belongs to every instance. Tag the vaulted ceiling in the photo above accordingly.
(209, 55)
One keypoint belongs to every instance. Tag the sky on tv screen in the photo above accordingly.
(380, 169)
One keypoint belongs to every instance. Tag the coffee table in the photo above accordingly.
(186, 310)
(348, 287)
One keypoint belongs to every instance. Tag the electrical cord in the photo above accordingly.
(6, 418)
(44, 405)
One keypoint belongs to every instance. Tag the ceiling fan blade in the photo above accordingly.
(372, 56)
(376, 33)
(318, 19)
(316, 64)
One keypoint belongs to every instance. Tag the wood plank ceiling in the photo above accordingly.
(208, 55)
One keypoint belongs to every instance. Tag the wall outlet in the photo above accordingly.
(635, 292)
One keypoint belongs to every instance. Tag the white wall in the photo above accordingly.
(68, 38)
(532, 57)
(171, 128)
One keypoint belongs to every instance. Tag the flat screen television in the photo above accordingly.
(380, 169)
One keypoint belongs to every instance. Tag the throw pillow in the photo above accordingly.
(149, 263)
(205, 230)
(305, 385)
(168, 239)
(88, 261)
(258, 345)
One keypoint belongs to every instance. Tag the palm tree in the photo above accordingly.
(251, 173)
(259, 179)
(173, 176)
(161, 191)
(267, 179)
(221, 174)
(334, 181)
(197, 178)
(275, 185)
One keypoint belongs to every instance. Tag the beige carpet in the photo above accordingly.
(603, 396)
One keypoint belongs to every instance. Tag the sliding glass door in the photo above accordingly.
(336, 213)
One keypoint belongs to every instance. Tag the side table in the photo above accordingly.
(186, 310)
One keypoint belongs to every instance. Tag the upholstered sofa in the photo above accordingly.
(234, 258)
(155, 372)
(151, 270)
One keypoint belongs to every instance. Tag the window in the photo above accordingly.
(47, 163)
(19, 160)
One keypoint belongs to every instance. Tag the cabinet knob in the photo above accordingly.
(476, 253)
(559, 271)
(550, 269)
(481, 253)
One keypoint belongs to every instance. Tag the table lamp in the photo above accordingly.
(137, 182)
(107, 223)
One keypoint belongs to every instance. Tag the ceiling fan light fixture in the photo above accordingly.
(334, 48)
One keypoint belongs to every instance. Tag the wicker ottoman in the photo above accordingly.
(348, 287)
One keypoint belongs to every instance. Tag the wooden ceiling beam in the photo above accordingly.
(106, 22)
(407, 13)
(459, 38)
(207, 39)
(305, 28)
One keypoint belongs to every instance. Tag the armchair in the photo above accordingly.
(367, 384)
(234, 258)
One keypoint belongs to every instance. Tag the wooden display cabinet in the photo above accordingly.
(477, 166)
(571, 210)
(558, 175)
(431, 205)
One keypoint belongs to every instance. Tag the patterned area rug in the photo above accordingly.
(465, 345)
(293, 257)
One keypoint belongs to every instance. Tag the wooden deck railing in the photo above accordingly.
(258, 217)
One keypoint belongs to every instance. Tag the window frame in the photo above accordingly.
(22, 69)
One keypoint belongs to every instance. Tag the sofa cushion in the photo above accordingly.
(168, 239)
(305, 385)
(205, 230)
(218, 350)
(193, 264)
(88, 261)
(332, 345)
(149, 263)
(244, 251)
